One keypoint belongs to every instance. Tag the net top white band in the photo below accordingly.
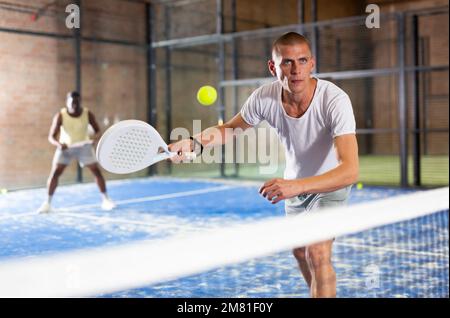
(110, 269)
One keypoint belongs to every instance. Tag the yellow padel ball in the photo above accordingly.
(207, 95)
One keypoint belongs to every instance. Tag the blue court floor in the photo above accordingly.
(408, 259)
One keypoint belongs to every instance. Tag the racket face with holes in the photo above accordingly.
(130, 146)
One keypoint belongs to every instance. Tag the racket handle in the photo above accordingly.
(187, 155)
(190, 155)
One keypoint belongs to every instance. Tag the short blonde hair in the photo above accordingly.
(290, 38)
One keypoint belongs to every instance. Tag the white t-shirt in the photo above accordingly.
(308, 140)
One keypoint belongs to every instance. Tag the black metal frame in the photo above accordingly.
(220, 37)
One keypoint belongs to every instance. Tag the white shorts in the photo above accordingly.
(83, 154)
(308, 202)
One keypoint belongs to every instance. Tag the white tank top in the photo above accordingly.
(74, 129)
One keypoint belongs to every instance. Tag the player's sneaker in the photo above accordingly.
(108, 204)
(44, 208)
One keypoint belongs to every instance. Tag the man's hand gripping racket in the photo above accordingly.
(132, 145)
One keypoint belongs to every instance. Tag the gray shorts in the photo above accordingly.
(308, 202)
(83, 154)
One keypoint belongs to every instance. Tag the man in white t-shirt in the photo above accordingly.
(315, 122)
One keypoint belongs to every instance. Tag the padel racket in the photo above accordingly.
(132, 145)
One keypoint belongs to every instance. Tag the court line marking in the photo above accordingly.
(391, 249)
(154, 198)
(137, 200)
(108, 219)
(15, 216)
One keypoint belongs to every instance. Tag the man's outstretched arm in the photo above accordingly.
(212, 136)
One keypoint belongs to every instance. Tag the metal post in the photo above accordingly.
(168, 71)
(235, 72)
(221, 67)
(402, 111)
(300, 11)
(77, 45)
(368, 83)
(416, 104)
(315, 34)
(423, 45)
(300, 15)
(151, 73)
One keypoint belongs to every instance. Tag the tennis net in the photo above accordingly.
(399, 245)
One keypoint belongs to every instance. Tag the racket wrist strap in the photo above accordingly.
(196, 142)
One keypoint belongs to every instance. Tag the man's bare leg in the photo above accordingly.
(98, 177)
(300, 256)
(107, 203)
(323, 276)
(52, 184)
(52, 181)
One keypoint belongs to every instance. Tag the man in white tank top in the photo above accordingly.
(71, 125)
(315, 122)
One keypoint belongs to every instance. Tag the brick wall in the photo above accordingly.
(37, 72)
(433, 84)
